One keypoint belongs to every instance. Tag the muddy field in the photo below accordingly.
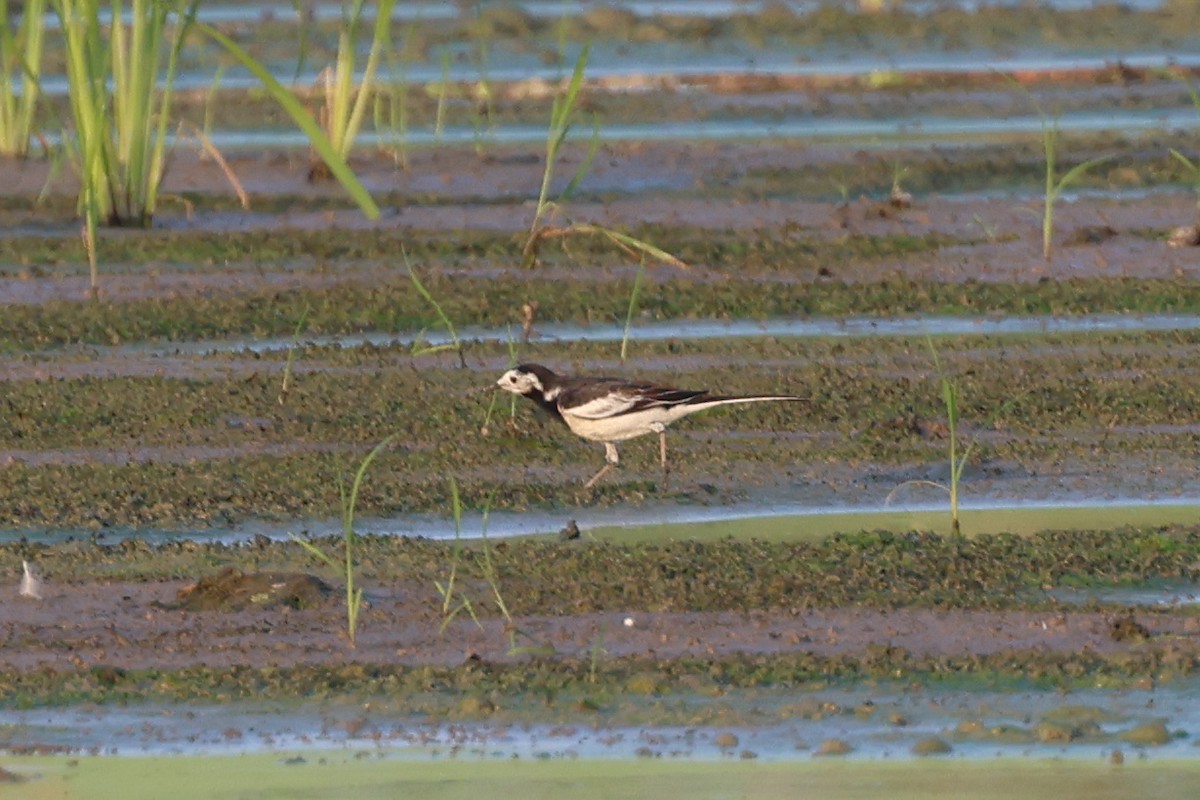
(218, 380)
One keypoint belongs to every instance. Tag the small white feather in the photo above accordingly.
(30, 585)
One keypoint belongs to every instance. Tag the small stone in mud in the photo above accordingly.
(234, 590)
(249, 423)
(1150, 734)
(866, 709)
(834, 747)
(1090, 234)
(1049, 732)
(726, 741)
(1127, 628)
(931, 746)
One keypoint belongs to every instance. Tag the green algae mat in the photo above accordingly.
(375, 775)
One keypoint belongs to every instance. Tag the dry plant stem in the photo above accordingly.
(211, 150)
(285, 384)
(632, 245)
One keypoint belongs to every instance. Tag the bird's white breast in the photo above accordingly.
(624, 426)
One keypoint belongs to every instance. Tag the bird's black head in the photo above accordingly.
(528, 380)
(536, 382)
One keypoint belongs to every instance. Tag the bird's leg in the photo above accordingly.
(662, 455)
(611, 459)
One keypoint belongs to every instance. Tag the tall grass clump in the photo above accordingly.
(20, 72)
(345, 103)
(318, 139)
(349, 501)
(562, 118)
(390, 108)
(1055, 183)
(119, 106)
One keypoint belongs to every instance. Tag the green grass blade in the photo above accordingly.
(1076, 172)
(1188, 164)
(358, 478)
(586, 164)
(633, 297)
(301, 39)
(320, 142)
(315, 551)
(437, 307)
(380, 41)
(655, 253)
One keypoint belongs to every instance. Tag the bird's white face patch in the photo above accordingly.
(519, 382)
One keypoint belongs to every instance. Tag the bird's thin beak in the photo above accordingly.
(480, 390)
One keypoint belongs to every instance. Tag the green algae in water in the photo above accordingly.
(801, 527)
(380, 774)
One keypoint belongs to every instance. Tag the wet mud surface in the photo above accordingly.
(117, 426)
(140, 626)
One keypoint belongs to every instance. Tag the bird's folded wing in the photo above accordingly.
(603, 406)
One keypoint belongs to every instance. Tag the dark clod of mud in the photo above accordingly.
(1127, 628)
(10, 777)
(234, 590)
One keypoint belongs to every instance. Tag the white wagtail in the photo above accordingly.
(609, 410)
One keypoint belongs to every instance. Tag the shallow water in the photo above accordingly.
(814, 327)
(925, 129)
(1154, 594)
(773, 725)
(617, 69)
(778, 520)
